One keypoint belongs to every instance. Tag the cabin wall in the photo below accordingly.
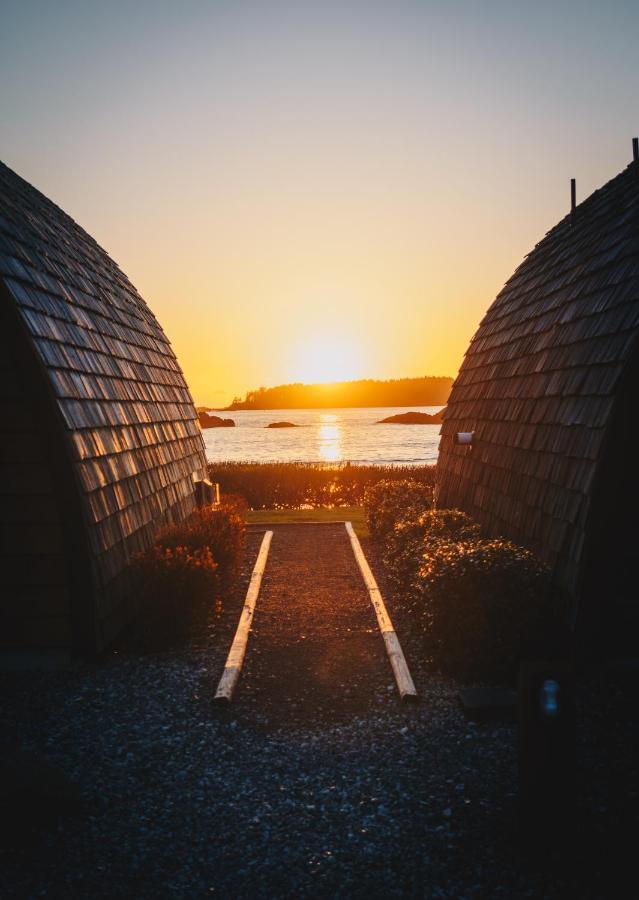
(116, 602)
(609, 609)
(539, 382)
(131, 446)
(539, 500)
(35, 609)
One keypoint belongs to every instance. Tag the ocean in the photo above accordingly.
(324, 435)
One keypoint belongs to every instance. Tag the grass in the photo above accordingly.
(354, 514)
(307, 485)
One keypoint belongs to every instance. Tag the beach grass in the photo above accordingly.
(298, 485)
(354, 514)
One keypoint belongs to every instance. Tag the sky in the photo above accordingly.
(313, 191)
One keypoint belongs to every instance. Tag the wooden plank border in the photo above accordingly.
(235, 659)
(405, 684)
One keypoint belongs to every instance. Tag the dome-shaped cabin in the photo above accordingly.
(549, 390)
(99, 439)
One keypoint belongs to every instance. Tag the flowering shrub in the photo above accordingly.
(388, 502)
(479, 604)
(410, 538)
(175, 586)
(180, 577)
(219, 529)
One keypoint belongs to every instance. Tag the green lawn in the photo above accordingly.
(354, 514)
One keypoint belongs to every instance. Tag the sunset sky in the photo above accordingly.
(317, 190)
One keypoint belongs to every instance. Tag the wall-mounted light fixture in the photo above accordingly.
(207, 493)
(464, 437)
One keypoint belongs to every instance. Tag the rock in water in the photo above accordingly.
(208, 421)
(414, 418)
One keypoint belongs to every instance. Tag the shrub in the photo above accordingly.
(407, 541)
(219, 529)
(179, 578)
(388, 502)
(481, 605)
(175, 587)
(304, 485)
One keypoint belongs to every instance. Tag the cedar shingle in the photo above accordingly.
(539, 381)
(118, 389)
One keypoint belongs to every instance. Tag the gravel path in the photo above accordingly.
(296, 790)
(315, 651)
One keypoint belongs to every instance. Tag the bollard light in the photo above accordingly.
(547, 749)
(549, 698)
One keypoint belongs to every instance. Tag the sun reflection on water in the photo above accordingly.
(330, 434)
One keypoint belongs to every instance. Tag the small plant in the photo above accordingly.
(480, 605)
(389, 502)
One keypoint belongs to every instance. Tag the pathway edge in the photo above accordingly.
(235, 658)
(405, 683)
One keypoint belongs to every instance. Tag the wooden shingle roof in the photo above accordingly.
(122, 402)
(539, 380)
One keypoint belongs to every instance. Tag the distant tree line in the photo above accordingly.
(428, 390)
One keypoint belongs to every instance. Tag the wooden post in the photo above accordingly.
(235, 659)
(403, 679)
(546, 748)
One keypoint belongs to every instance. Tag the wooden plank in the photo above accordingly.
(33, 601)
(235, 659)
(30, 538)
(21, 570)
(394, 650)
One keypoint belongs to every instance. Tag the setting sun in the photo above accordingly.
(324, 359)
(320, 352)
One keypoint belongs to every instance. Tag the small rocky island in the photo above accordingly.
(282, 425)
(206, 420)
(414, 418)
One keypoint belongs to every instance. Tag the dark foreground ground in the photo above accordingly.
(316, 782)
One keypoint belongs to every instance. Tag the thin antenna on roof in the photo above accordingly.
(635, 150)
(573, 200)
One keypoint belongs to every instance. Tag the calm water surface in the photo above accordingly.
(324, 435)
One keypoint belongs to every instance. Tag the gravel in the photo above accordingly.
(373, 799)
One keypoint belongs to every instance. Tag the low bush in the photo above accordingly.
(305, 485)
(180, 577)
(220, 529)
(175, 586)
(409, 539)
(390, 501)
(481, 605)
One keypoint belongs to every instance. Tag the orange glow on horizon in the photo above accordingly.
(322, 191)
